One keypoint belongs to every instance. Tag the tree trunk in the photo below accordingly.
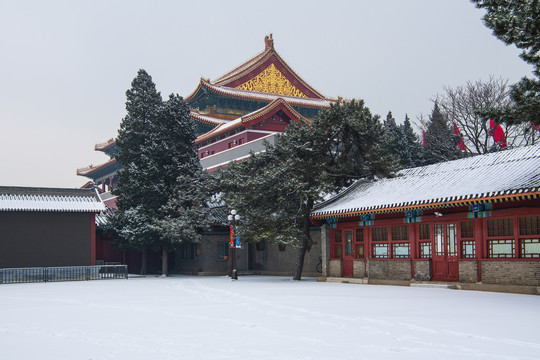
(164, 262)
(300, 261)
(302, 251)
(144, 262)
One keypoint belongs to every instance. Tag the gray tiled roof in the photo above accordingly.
(499, 174)
(219, 215)
(14, 198)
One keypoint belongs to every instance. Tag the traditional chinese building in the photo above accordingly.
(475, 221)
(234, 114)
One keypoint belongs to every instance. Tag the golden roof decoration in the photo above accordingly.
(242, 76)
(271, 80)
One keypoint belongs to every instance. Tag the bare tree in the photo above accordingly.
(461, 105)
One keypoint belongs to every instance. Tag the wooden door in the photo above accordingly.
(348, 254)
(445, 263)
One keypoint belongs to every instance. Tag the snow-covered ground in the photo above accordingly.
(188, 317)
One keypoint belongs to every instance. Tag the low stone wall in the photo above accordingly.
(468, 271)
(422, 270)
(510, 272)
(390, 270)
(335, 268)
(359, 268)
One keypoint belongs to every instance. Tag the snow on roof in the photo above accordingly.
(49, 199)
(502, 174)
(206, 118)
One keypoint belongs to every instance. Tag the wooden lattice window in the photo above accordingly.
(401, 251)
(359, 246)
(500, 227)
(451, 239)
(338, 251)
(529, 225)
(400, 233)
(467, 230)
(425, 250)
(424, 232)
(359, 234)
(348, 243)
(468, 249)
(380, 233)
(530, 248)
(337, 236)
(501, 248)
(359, 253)
(380, 251)
(439, 239)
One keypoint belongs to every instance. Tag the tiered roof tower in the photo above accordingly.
(237, 112)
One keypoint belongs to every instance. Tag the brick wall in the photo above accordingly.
(468, 271)
(390, 270)
(511, 272)
(335, 268)
(271, 260)
(422, 270)
(207, 258)
(359, 268)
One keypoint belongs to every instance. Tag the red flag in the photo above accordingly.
(535, 127)
(423, 137)
(497, 132)
(460, 144)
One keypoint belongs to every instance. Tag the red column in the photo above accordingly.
(368, 237)
(479, 236)
(413, 241)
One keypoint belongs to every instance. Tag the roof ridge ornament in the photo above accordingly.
(268, 42)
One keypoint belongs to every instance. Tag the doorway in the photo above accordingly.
(348, 254)
(445, 260)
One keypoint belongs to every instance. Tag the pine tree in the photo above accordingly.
(441, 143)
(402, 142)
(180, 191)
(411, 154)
(394, 136)
(516, 22)
(159, 183)
(133, 219)
(277, 189)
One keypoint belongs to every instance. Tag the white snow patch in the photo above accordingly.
(188, 317)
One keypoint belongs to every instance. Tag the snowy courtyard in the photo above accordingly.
(189, 317)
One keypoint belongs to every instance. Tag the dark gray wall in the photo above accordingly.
(30, 239)
(270, 261)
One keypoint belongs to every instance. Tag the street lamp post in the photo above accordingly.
(233, 218)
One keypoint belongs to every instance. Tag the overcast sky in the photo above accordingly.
(65, 65)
